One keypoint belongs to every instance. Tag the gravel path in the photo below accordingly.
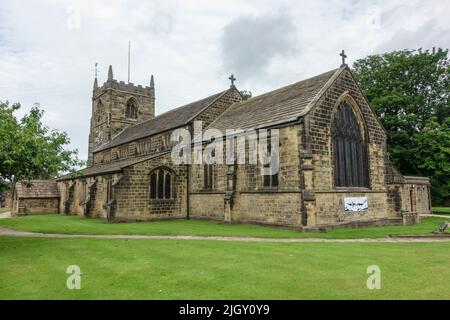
(14, 233)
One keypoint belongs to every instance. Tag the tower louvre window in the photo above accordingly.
(99, 112)
(131, 109)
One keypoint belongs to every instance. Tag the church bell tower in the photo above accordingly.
(117, 105)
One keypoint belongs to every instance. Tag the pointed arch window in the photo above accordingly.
(161, 184)
(349, 149)
(131, 109)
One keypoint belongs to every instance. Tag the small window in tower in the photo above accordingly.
(131, 109)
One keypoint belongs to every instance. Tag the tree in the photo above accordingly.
(29, 150)
(407, 89)
(246, 94)
(432, 154)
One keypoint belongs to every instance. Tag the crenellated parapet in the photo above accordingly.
(111, 83)
(123, 86)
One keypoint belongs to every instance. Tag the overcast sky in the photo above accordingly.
(48, 48)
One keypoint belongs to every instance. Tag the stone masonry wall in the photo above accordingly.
(108, 111)
(38, 206)
(274, 206)
(6, 200)
(133, 192)
(99, 206)
(207, 205)
(305, 192)
(329, 206)
(415, 198)
(252, 201)
(218, 107)
(145, 146)
(161, 141)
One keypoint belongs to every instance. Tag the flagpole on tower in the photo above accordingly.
(129, 58)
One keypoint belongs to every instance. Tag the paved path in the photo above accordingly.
(435, 216)
(14, 233)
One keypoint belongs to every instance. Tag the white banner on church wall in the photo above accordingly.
(355, 204)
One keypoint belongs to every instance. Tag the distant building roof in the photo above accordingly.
(37, 189)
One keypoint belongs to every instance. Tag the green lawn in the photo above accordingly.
(3, 210)
(441, 210)
(34, 268)
(79, 225)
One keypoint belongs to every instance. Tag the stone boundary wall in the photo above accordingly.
(32, 206)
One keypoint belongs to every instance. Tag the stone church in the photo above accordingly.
(333, 167)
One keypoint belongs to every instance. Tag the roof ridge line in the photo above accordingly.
(322, 91)
(220, 95)
(337, 70)
(168, 111)
(185, 105)
(292, 84)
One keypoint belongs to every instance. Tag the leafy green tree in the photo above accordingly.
(246, 94)
(432, 154)
(407, 89)
(30, 150)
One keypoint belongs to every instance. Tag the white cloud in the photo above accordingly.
(180, 42)
(250, 43)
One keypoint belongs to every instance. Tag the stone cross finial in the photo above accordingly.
(343, 55)
(232, 79)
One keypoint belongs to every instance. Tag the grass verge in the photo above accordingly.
(78, 225)
(35, 268)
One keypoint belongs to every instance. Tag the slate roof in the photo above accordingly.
(166, 121)
(37, 189)
(279, 106)
(110, 167)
